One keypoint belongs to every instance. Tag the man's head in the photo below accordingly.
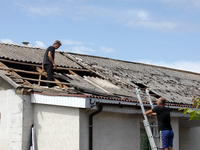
(57, 44)
(161, 101)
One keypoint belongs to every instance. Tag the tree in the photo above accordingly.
(194, 113)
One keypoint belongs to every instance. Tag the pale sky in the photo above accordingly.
(157, 32)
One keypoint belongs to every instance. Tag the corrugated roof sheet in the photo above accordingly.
(175, 85)
(31, 54)
(118, 78)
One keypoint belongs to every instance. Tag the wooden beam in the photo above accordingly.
(14, 73)
(62, 68)
(30, 79)
(37, 65)
(39, 79)
(73, 73)
(22, 71)
(56, 80)
(17, 62)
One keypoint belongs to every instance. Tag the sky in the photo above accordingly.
(157, 32)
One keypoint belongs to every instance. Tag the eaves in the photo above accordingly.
(90, 103)
(11, 82)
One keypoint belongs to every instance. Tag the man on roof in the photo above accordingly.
(48, 61)
(166, 134)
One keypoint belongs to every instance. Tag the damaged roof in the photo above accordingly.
(175, 85)
(20, 65)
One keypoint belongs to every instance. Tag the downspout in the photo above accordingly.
(32, 141)
(100, 107)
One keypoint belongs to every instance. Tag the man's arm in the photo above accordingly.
(150, 112)
(51, 59)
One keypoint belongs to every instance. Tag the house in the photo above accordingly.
(93, 105)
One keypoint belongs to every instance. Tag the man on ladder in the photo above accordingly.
(164, 124)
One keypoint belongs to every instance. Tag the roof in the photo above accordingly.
(175, 85)
(94, 76)
(30, 54)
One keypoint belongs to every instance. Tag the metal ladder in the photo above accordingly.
(145, 121)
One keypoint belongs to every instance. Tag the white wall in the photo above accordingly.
(84, 129)
(189, 138)
(27, 121)
(57, 128)
(11, 106)
(4, 85)
(175, 127)
(111, 131)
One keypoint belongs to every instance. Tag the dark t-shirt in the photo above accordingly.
(163, 116)
(46, 58)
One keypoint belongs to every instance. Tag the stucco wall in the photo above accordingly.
(27, 121)
(56, 128)
(111, 131)
(189, 138)
(4, 85)
(11, 106)
(175, 127)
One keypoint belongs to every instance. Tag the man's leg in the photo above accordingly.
(170, 148)
(50, 72)
(164, 139)
(171, 137)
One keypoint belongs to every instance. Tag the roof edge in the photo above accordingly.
(163, 67)
(12, 83)
(28, 46)
(170, 105)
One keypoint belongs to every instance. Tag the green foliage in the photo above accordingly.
(194, 113)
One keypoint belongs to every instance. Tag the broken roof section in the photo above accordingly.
(175, 85)
(20, 65)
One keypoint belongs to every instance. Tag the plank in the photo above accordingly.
(56, 80)
(37, 65)
(14, 73)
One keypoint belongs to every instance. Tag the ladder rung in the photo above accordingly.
(153, 94)
(154, 126)
(143, 94)
(156, 136)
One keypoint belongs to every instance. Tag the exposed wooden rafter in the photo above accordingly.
(15, 74)
(37, 65)
(22, 71)
(61, 84)
(30, 79)
(73, 73)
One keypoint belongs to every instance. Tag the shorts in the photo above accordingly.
(166, 138)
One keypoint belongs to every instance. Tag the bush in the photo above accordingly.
(194, 113)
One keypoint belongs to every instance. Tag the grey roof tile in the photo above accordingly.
(175, 85)
(30, 54)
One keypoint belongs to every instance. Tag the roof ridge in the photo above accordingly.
(163, 67)
(29, 46)
(22, 45)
